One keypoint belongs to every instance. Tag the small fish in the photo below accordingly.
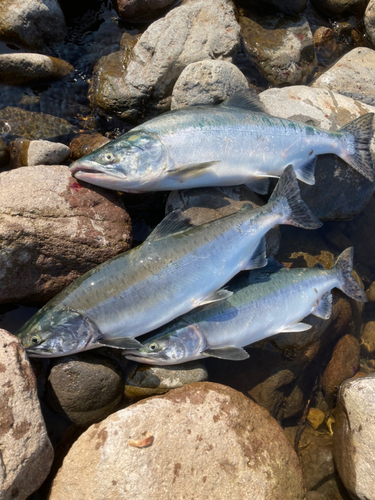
(232, 143)
(267, 302)
(176, 269)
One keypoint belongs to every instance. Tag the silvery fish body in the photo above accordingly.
(228, 144)
(263, 304)
(176, 269)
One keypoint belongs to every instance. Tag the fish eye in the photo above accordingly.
(35, 339)
(153, 346)
(109, 157)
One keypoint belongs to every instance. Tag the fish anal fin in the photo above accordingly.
(297, 327)
(216, 296)
(118, 343)
(245, 99)
(227, 352)
(174, 222)
(306, 172)
(324, 307)
(258, 258)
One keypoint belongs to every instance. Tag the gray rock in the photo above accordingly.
(369, 20)
(349, 190)
(145, 380)
(282, 48)
(354, 436)
(194, 31)
(340, 6)
(201, 441)
(46, 153)
(140, 9)
(206, 204)
(352, 75)
(22, 68)
(32, 22)
(26, 451)
(52, 230)
(84, 387)
(207, 82)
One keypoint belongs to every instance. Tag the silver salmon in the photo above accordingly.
(263, 304)
(233, 143)
(175, 270)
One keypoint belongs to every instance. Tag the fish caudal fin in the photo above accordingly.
(344, 266)
(299, 214)
(362, 130)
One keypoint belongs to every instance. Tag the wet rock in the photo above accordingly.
(17, 122)
(340, 6)
(353, 441)
(194, 31)
(206, 204)
(177, 440)
(368, 339)
(4, 154)
(32, 22)
(344, 364)
(145, 380)
(207, 82)
(26, 451)
(369, 20)
(349, 190)
(86, 387)
(140, 9)
(352, 76)
(370, 292)
(287, 6)
(85, 143)
(52, 230)
(19, 69)
(29, 153)
(282, 49)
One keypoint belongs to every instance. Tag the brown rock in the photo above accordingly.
(85, 143)
(22, 68)
(140, 9)
(370, 292)
(4, 154)
(368, 339)
(344, 364)
(26, 451)
(208, 441)
(52, 230)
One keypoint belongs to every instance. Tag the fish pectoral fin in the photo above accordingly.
(306, 172)
(119, 343)
(227, 352)
(324, 308)
(297, 327)
(259, 185)
(263, 275)
(174, 222)
(245, 99)
(221, 294)
(192, 169)
(258, 258)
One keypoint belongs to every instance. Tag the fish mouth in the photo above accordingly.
(148, 358)
(87, 167)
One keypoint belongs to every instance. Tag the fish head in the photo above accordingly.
(132, 163)
(56, 331)
(179, 347)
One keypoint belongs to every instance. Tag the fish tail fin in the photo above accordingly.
(361, 129)
(344, 267)
(297, 212)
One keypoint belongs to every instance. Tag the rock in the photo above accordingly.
(200, 440)
(84, 387)
(17, 122)
(339, 6)
(86, 143)
(194, 31)
(206, 204)
(368, 339)
(351, 76)
(353, 440)
(140, 9)
(22, 68)
(207, 82)
(26, 451)
(52, 230)
(349, 190)
(32, 22)
(313, 495)
(29, 153)
(315, 417)
(145, 380)
(282, 49)
(4, 154)
(369, 20)
(344, 364)
(370, 292)
(287, 6)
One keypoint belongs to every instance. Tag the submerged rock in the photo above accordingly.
(52, 230)
(4, 154)
(203, 440)
(340, 6)
(140, 9)
(26, 451)
(86, 143)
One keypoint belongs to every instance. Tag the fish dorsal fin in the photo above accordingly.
(297, 327)
(258, 258)
(174, 222)
(245, 99)
(227, 352)
(259, 185)
(119, 343)
(221, 294)
(191, 170)
(324, 308)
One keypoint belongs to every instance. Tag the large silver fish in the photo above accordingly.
(176, 269)
(263, 304)
(233, 143)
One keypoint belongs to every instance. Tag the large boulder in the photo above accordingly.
(52, 230)
(26, 451)
(201, 441)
